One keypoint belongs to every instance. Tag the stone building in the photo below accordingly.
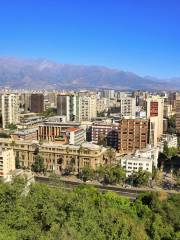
(57, 157)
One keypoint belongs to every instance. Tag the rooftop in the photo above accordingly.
(135, 158)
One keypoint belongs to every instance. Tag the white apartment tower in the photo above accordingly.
(128, 107)
(10, 109)
(87, 107)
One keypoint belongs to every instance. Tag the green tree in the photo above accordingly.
(140, 178)
(172, 152)
(111, 155)
(87, 173)
(49, 213)
(169, 152)
(166, 149)
(114, 175)
(38, 165)
(11, 126)
(50, 112)
(4, 135)
(17, 162)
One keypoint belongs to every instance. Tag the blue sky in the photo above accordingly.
(142, 36)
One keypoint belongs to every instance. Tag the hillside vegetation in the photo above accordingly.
(85, 214)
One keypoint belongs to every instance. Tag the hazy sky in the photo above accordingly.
(142, 36)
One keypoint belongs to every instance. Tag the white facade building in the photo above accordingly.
(10, 109)
(128, 107)
(134, 164)
(87, 107)
(76, 136)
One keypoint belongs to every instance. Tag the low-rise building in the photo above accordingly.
(149, 152)
(30, 122)
(26, 134)
(107, 131)
(51, 130)
(57, 157)
(135, 163)
(76, 136)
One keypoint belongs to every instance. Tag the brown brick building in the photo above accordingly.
(133, 135)
(153, 109)
(37, 102)
(104, 132)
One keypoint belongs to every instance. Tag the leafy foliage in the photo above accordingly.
(87, 173)
(4, 135)
(84, 213)
(38, 165)
(169, 152)
(11, 126)
(115, 174)
(50, 112)
(140, 178)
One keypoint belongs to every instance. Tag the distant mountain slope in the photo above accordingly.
(42, 73)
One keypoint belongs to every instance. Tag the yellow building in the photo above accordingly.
(57, 157)
(7, 162)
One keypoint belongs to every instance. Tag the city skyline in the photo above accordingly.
(138, 37)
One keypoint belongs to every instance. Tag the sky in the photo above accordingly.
(141, 36)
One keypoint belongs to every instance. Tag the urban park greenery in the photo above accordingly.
(115, 174)
(84, 213)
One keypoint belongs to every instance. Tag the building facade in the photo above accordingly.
(7, 162)
(128, 107)
(178, 112)
(52, 131)
(10, 109)
(67, 105)
(105, 132)
(133, 135)
(57, 157)
(135, 163)
(155, 112)
(37, 102)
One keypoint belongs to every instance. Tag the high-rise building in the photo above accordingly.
(102, 104)
(133, 135)
(24, 101)
(37, 102)
(172, 100)
(10, 109)
(108, 93)
(87, 107)
(67, 105)
(128, 107)
(155, 112)
(178, 112)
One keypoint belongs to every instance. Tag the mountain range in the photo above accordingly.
(46, 74)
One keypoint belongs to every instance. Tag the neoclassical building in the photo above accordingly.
(57, 157)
